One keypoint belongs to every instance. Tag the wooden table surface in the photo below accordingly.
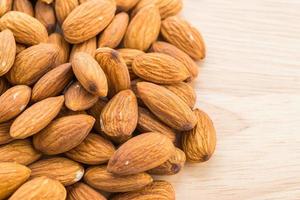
(250, 85)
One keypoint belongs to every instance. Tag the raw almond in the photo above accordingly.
(81, 191)
(141, 153)
(45, 14)
(101, 179)
(126, 5)
(63, 134)
(4, 133)
(95, 111)
(88, 47)
(36, 117)
(62, 169)
(5, 6)
(19, 48)
(24, 6)
(7, 51)
(64, 48)
(63, 8)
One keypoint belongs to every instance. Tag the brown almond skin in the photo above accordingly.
(36, 117)
(63, 8)
(63, 134)
(81, 191)
(7, 51)
(99, 178)
(40, 188)
(159, 68)
(115, 31)
(161, 190)
(126, 5)
(119, 117)
(141, 153)
(88, 47)
(62, 169)
(5, 6)
(95, 111)
(181, 34)
(13, 102)
(4, 85)
(45, 14)
(139, 34)
(26, 29)
(94, 150)
(98, 15)
(24, 6)
(52, 83)
(12, 176)
(64, 48)
(19, 151)
(167, 106)
(4, 133)
(78, 99)
(199, 143)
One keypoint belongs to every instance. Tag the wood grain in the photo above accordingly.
(250, 85)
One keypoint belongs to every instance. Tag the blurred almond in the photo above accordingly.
(64, 48)
(88, 47)
(95, 111)
(45, 14)
(5, 6)
(4, 133)
(19, 48)
(7, 51)
(24, 6)
(126, 5)
(47, 1)
(81, 191)
(63, 8)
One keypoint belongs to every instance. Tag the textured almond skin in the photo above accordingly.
(32, 63)
(4, 85)
(93, 150)
(159, 68)
(52, 83)
(13, 102)
(167, 106)
(40, 188)
(24, 6)
(36, 117)
(4, 133)
(96, 14)
(5, 6)
(7, 51)
(19, 48)
(81, 191)
(63, 134)
(45, 14)
(63, 8)
(26, 29)
(62, 169)
(90, 74)
(19, 151)
(119, 116)
(171, 50)
(143, 29)
(95, 111)
(126, 5)
(78, 99)
(161, 190)
(99, 178)
(64, 48)
(199, 144)
(115, 69)
(181, 34)
(88, 47)
(141, 153)
(12, 176)
(115, 31)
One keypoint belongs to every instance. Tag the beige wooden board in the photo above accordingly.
(250, 85)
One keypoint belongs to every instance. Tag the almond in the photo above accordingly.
(64, 170)
(13, 102)
(63, 8)
(143, 29)
(64, 48)
(96, 14)
(126, 5)
(45, 14)
(12, 176)
(199, 144)
(93, 150)
(141, 153)
(19, 48)
(167, 106)
(63, 134)
(26, 29)
(88, 47)
(19, 151)
(95, 111)
(4, 85)
(81, 191)
(7, 51)
(4, 133)
(101, 179)
(36, 117)
(40, 188)
(5, 6)
(24, 6)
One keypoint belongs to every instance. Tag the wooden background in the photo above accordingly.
(250, 85)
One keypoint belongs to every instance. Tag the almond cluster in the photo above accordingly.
(96, 97)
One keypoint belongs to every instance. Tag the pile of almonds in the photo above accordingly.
(96, 98)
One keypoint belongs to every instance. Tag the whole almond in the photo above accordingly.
(19, 151)
(5, 6)
(12, 176)
(26, 29)
(167, 106)
(32, 63)
(45, 14)
(119, 116)
(141, 153)
(78, 99)
(159, 68)
(93, 150)
(115, 31)
(63, 8)
(64, 48)
(62, 169)
(13, 102)
(24, 6)
(126, 5)
(36, 117)
(143, 29)
(199, 144)
(101, 179)
(181, 34)
(63, 134)
(40, 188)
(95, 111)
(81, 191)
(4, 85)
(88, 47)
(52, 83)
(7, 51)
(4, 133)
(96, 14)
